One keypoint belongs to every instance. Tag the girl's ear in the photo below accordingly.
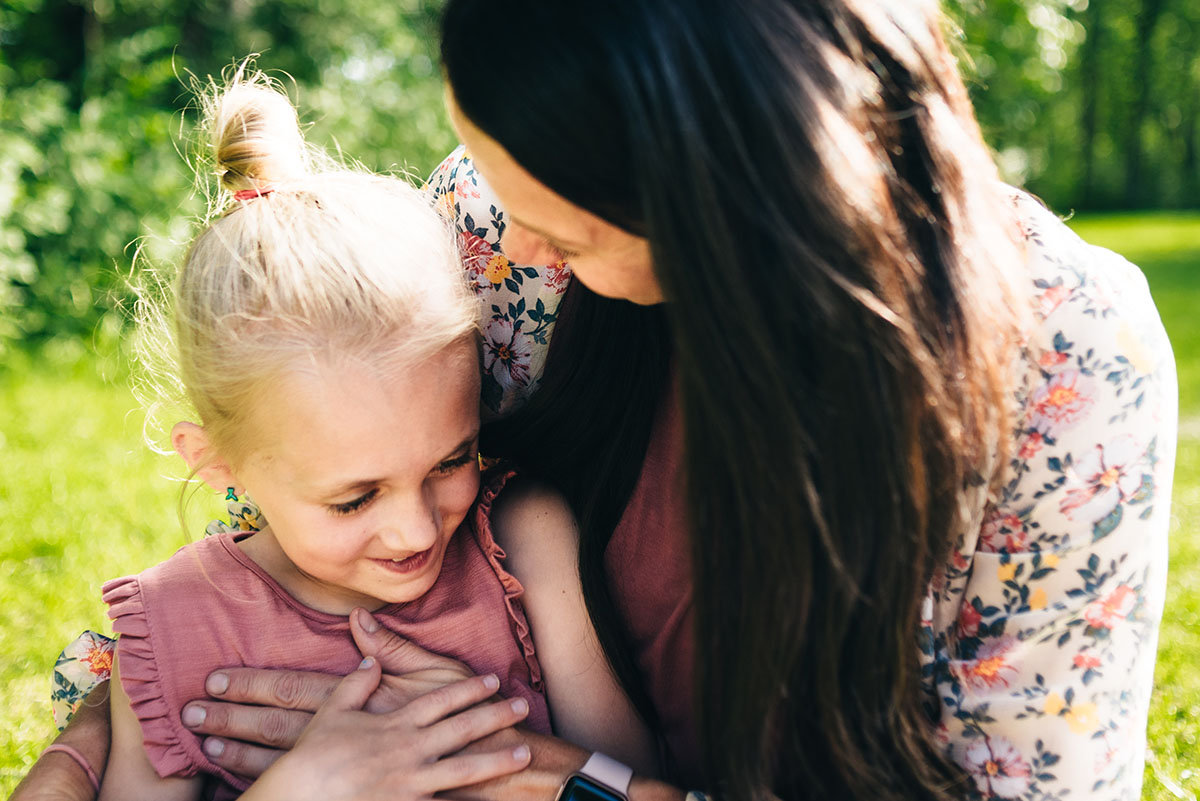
(191, 442)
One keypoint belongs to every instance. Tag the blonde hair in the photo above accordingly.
(317, 260)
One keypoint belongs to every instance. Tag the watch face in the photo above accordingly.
(581, 788)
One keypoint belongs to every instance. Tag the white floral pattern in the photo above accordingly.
(1039, 636)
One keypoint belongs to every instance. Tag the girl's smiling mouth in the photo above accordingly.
(409, 564)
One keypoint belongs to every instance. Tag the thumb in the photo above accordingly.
(353, 691)
(395, 654)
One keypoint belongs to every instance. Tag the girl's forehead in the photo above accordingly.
(331, 421)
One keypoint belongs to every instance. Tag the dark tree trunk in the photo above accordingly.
(1147, 20)
(1089, 69)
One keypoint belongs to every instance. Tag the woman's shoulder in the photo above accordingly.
(519, 302)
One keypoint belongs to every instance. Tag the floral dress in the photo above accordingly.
(1038, 638)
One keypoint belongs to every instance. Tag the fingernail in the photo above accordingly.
(366, 663)
(217, 683)
(521, 753)
(369, 624)
(491, 682)
(520, 706)
(194, 715)
(213, 747)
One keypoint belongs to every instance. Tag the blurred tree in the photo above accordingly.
(1089, 103)
(1092, 104)
(94, 116)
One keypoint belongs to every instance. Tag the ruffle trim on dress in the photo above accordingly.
(141, 679)
(482, 525)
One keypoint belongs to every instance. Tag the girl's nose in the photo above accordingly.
(412, 527)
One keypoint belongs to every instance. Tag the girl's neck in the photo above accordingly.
(263, 549)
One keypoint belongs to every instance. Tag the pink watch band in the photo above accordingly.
(608, 771)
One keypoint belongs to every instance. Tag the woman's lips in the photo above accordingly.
(410, 564)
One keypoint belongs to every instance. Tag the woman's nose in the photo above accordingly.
(523, 246)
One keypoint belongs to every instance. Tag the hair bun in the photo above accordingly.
(256, 136)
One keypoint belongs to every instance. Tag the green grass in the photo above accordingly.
(83, 500)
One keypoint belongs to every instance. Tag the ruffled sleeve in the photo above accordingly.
(142, 679)
(482, 526)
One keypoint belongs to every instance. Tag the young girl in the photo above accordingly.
(324, 336)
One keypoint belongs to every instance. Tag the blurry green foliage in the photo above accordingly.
(1092, 104)
(94, 123)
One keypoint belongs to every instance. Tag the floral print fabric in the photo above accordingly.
(1039, 637)
(520, 302)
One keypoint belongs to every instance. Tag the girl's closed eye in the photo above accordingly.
(450, 465)
(350, 507)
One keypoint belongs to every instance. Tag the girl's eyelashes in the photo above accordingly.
(450, 465)
(353, 506)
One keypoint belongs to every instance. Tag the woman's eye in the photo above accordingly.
(563, 253)
(353, 506)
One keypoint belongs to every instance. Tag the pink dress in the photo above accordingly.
(210, 606)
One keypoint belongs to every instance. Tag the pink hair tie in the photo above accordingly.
(250, 194)
(80, 760)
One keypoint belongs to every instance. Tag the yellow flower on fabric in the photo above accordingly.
(1006, 572)
(1140, 357)
(498, 268)
(1082, 718)
(1050, 560)
(1054, 704)
(1037, 599)
(445, 205)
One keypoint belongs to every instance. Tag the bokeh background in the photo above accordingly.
(1094, 105)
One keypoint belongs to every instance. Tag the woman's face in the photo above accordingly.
(544, 228)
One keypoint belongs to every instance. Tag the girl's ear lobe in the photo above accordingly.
(191, 442)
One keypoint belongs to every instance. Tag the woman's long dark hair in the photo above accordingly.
(835, 250)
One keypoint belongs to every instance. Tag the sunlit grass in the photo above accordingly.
(83, 500)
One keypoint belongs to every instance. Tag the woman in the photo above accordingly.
(895, 527)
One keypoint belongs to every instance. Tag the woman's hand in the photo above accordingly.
(262, 713)
(348, 753)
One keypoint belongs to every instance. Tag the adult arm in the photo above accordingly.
(56, 776)
(588, 706)
(1045, 665)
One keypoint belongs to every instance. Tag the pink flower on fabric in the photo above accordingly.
(1061, 402)
(988, 668)
(1052, 358)
(1086, 661)
(507, 354)
(1104, 477)
(557, 277)
(1030, 447)
(1052, 298)
(1003, 532)
(997, 767)
(1107, 612)
(969, 619)
(476, 253)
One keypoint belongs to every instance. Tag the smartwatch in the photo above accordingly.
(600, 779)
